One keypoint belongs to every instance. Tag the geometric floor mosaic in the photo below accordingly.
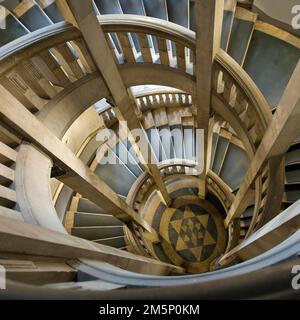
(193, 233)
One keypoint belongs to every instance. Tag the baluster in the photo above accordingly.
(33, 78)
(265, 174)
(84, 55)
(228, 86)
(148, 101)
(181, 169)
(168, 172)
(137, 206)
(112, 47)
(188, 171)
(149, 184)
(233, 95)
(251, 116)
(180, 53)
(163, 172)
(240, 102)
(186, 99)
(14, 84)
(138, 103)
(254, 137)
(50, 69)
(144, 45)
(154, 102)
(157, 98)
(68, 61)
(181, 99)
(163, 51)
(126, 47)
(265, 187)
(245, 119)
(253, 125)
(140, 195)
(106, 119)
(175, 169)
(168, 100)
(161, 98)
(112, 116)
(143, 104)
(263, 203)
(17, 89)
(217, 81)
(193, 55)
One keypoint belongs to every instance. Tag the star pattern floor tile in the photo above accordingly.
(192, 233)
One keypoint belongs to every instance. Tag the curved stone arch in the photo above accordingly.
(142, 74)
(61, 112)
(32, 183)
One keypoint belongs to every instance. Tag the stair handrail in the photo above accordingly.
(33, 43)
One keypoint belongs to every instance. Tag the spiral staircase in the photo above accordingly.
(74, 225)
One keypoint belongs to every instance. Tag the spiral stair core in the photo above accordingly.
(73, 224)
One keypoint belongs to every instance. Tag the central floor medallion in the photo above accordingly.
(194, 234)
